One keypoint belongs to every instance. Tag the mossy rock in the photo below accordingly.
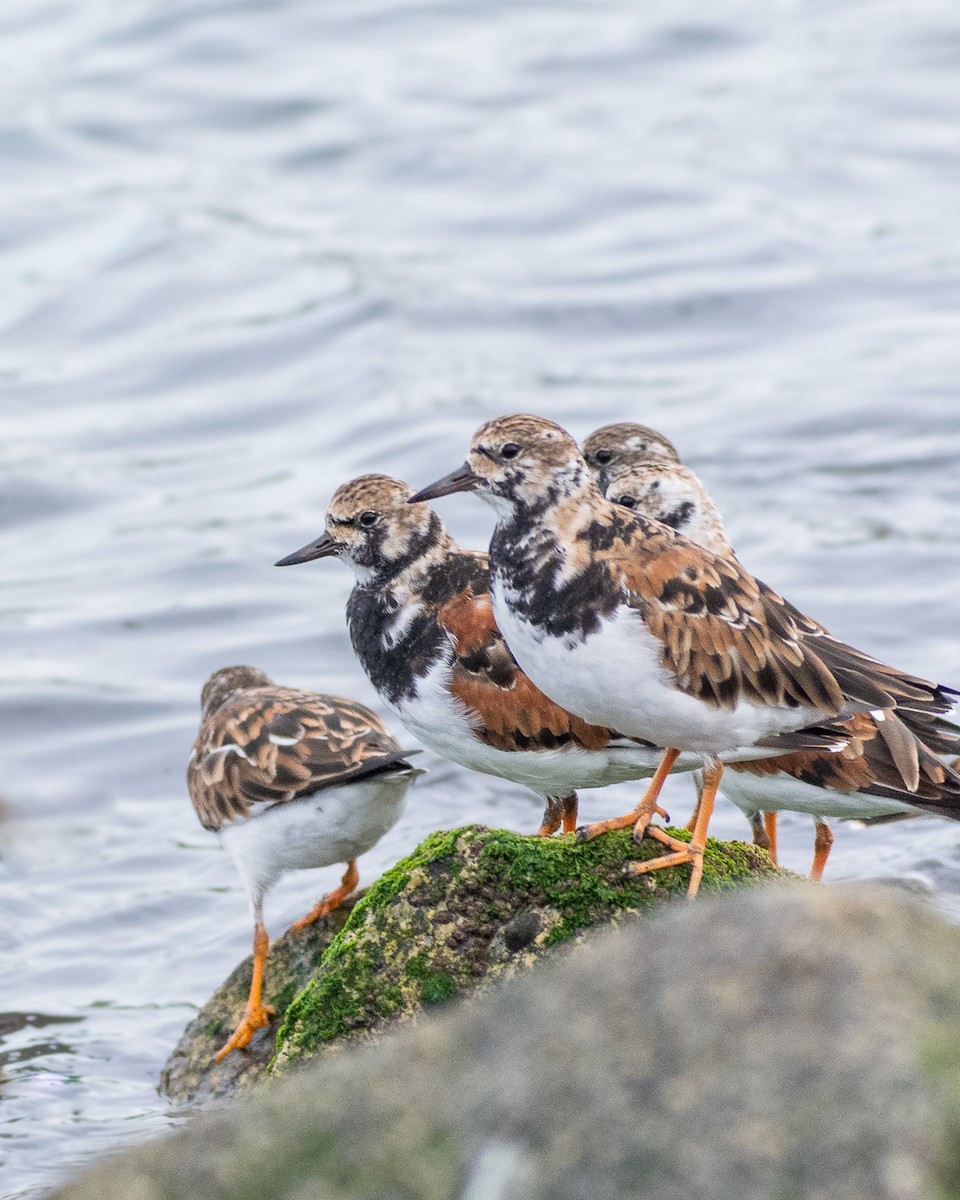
(190, 1075)
(476, 904)
(465, 907)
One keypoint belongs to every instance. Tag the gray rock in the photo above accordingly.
(776, 1043)
(468, 906)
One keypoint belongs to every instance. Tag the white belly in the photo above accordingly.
(783, 793)
(443, 723)
(333, 826)
(614, 678)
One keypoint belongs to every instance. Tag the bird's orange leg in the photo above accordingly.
(638, 817)
(559, 810)
(698, 782)
(257, 1015)
(332, 900)
(822, 842)
(764, 826)
(692, 852)
(570, 807)
(759, 832)
(770, 828)
(712, 774)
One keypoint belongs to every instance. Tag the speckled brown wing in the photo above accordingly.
(510, 712)
(723, 635)
(274, 745)
(728, 637)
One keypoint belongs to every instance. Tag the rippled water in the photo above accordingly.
(252, 249)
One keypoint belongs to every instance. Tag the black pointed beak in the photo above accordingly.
(460, 480)
(322, 547)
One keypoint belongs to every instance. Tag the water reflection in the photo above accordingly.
(12, 1023)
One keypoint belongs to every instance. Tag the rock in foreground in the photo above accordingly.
(465, 907)
(779, 1042)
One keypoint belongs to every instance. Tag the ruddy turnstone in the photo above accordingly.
(628, 624)
(885, 769)
(422, 626)
(290, 780)
(655, 483)
(619, 447)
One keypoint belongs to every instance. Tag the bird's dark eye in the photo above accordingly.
(603, 457)
(510, 450)
(367, 519)
(627, 501)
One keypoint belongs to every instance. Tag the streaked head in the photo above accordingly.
(672, 494)
(616, 448)
(373, 528)
(518, 461)
(223, 683)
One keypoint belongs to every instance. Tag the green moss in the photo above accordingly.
(585, 880)
(351, 986)
(435, 986)
(390, 1000)
(444, 918)
(434, 848)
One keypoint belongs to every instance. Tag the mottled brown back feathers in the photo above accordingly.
(274, 744)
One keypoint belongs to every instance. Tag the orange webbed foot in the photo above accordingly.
(643, 826)
(640, 816)
(686, 852)
(253, 1020)
(680, 853)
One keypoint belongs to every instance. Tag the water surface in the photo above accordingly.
(252, 249)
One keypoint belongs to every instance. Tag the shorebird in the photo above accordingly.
(628, 624)
(422, 626)
(885, 769)
(639, 468)
(290, 780)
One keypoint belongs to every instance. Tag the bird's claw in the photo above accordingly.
(244, 1032)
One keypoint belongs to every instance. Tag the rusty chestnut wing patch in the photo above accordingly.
(510, 712)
